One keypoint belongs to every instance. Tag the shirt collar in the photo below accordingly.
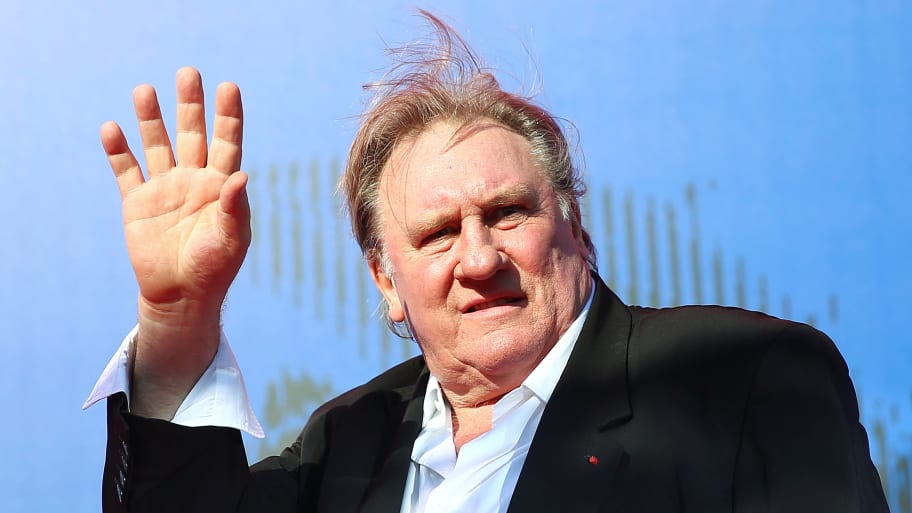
(544, 377)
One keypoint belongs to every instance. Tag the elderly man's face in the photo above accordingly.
(485, 269)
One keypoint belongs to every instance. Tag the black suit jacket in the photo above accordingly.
(698, 409)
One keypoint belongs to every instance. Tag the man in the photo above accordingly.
(537, 389)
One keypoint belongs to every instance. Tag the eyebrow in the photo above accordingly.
(517, 193)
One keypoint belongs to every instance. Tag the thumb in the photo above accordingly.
(234, 208)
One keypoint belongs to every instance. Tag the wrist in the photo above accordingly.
(174, 345)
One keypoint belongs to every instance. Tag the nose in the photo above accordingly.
(479, 256)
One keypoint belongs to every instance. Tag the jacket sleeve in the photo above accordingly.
(154, 466)
(802, 446)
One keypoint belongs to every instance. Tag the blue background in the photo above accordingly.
(779, 134)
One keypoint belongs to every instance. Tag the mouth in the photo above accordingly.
(484, 305)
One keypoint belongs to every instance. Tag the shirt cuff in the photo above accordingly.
(219, 397)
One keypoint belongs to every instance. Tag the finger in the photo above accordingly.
(227, 130)
(235, 209)
(156, 145)
(126, 170)
(191, 119)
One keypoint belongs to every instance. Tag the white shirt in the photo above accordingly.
(483, 477)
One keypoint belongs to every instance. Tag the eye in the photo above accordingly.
(508, 215)
(511, 210)
(438, 235)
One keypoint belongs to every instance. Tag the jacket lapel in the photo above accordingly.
(574, 461)
(385, 491)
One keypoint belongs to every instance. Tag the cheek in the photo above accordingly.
(565, 244)
(425, 280)
(532, 249)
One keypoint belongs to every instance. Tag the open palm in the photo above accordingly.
(187, 225)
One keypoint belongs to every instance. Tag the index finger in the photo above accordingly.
(227, 129)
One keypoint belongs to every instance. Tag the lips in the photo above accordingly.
(485, 304)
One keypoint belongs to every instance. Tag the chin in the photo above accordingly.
(502, 353)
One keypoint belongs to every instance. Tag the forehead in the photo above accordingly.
(448, 161)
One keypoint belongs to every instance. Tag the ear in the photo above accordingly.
(583, 240)
(386, 287)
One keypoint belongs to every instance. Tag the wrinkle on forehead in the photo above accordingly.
(492, 190)
(458, 132)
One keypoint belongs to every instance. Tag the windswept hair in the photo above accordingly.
(442, 79)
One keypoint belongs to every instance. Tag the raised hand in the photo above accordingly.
(187, 228)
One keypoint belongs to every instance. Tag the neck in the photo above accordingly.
(470, 422)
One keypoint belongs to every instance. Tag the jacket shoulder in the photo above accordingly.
(693, 327)
(715, 341)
